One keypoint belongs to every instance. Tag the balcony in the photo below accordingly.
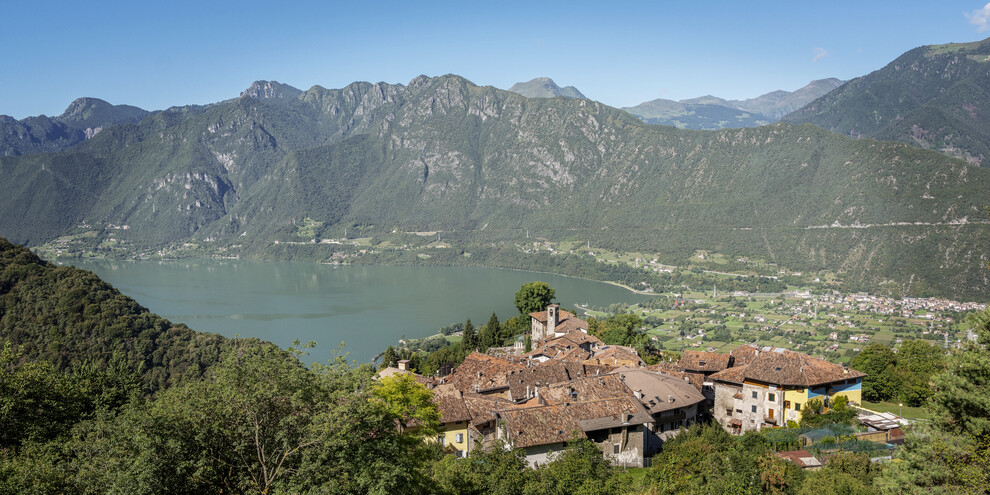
(768, 419)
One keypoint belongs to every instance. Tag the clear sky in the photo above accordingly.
(159, 54)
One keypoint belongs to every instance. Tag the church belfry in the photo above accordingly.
(553, 317)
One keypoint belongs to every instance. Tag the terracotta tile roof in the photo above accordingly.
(736, 375)
(538, 426)
(556, 423)
(744, 354)
(482, 407)
(659, 392)
(451, 404)
(783, 367)
(616, 355)
(541, 375)
(703, 361)
(481, 372)
(697, 380)
(609, 413)
(586, 389)
(582, 338)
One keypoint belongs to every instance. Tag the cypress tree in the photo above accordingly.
(470, 338)
(389, 358)
(491, 332)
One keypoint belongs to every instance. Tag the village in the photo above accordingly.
(833, 326)
(572, 384)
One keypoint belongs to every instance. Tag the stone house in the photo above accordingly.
(553, 323)
(672, 402)
(772, 388)
(617, 425)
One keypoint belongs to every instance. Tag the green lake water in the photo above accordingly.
(366, 307)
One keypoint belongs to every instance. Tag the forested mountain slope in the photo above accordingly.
(442, 154)
(934, 97)
(70, 317)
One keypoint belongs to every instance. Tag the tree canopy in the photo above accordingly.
(534, 296)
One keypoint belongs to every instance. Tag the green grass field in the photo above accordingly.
(905, 411)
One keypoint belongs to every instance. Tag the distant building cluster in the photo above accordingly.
(572, 383)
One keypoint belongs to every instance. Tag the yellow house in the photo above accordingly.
(774, 386)
(454, 420)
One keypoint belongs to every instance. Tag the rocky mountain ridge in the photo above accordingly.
(442, 154)
(81, 120)
(544, 87)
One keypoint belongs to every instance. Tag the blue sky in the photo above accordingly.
(159, 54)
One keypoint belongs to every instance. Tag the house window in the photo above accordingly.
(615, 448)
(771, 397)
(753, 408)
(728, 412)
(460, 438)
(756, 395)
(442, 439)
(797, 407)
(787, 404)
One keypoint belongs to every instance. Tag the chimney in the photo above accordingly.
(403, 364)
(638, 394)
(670, 398)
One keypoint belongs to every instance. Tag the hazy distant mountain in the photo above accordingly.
(935, 97)
(485, 165)
(690, 114)
(81, 120)
(711, 112)
(544, 87)
(777, 104)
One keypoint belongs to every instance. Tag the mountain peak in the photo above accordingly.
(544, 87)
(270, 90)
(93, 112)
(80, 106)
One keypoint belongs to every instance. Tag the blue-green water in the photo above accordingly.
(367, 307)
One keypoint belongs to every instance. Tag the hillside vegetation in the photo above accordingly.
(71, 318)
(935, 97)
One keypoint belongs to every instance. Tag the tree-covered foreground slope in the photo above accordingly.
(71, 318)
(935, 97)
(488, 166)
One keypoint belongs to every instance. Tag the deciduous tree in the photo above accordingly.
(533, 297)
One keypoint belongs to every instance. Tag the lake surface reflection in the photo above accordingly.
(367, 307)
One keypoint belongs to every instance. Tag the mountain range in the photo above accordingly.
(81, 120)
(486, 167)
(935, 97)
(711, 113)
